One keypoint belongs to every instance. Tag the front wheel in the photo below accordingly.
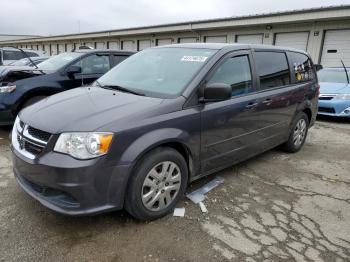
(159, 181)
(298, 133)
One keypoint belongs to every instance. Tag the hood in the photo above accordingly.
(14, 73)
(334, 88)
(87, 109)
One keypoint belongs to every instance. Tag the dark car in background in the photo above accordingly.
(334, 99)
(20, 88)
(164, 117)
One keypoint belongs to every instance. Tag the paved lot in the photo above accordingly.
(275, 207)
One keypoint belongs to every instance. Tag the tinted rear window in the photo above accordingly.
(302, 67)
(272, 69)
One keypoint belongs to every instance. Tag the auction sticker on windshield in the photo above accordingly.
(192, 58)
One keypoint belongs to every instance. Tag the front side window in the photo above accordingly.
(158, 72)
(302, 67)
(272, 69)
(234, 71)
(94, 64)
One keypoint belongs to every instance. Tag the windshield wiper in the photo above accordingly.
(120, 88)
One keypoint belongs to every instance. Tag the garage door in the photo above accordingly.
(113, 45)
(69, 47)
(100, 45)
(250, 39)
(143, 44)
(215, 39)
(336, 47)
(61, 48)
(188, 40)
(167, 41)
(293, 40)
(128, 45)
(89, 44)
(53, 49)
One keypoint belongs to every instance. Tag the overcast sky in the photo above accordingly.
(48, 17)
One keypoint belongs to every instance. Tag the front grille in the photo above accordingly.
(326, 110)
(39, 134)
(29, 141)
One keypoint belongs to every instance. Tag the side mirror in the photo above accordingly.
(72, 70)
(216, 92)
(318, 67)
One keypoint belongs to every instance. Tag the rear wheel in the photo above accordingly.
(298, 133)
(157, 184)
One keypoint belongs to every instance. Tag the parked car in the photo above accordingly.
(20, 88)
(334, 99)
(10, 54)
(164, 117)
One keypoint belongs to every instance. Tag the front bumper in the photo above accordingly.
(70, 186)
(334, 107)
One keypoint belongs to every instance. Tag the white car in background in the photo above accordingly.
(11, 54)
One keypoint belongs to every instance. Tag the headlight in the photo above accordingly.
(342, 97)
(84, 145)
(7, 89)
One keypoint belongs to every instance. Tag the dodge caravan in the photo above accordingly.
(160, 119)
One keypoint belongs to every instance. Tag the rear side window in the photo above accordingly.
(302, 67)
(12, 55)
(234, 71)
(272, 69)
(118, 58)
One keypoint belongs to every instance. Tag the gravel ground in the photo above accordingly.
(274, 207)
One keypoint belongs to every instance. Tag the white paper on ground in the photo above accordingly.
(203, 207)
(179, 212)
(199, 194)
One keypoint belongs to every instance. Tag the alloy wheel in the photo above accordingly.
(299, 132)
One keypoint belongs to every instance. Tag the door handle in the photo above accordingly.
(251, 105)
(267, 101)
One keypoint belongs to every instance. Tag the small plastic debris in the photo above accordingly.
(199, 194)
(179, 212)
(203, 207)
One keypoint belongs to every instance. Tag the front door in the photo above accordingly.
(92, 67)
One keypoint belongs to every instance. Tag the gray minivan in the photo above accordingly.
(160, 119)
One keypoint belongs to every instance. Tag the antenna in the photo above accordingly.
(346, 71)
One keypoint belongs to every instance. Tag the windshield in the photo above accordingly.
(56, 62)
(332, 76)
(158, 72)
(22, 62)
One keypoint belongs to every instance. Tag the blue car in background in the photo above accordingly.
(334, 98)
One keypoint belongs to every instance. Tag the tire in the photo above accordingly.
(150, 195)
(298, 134)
